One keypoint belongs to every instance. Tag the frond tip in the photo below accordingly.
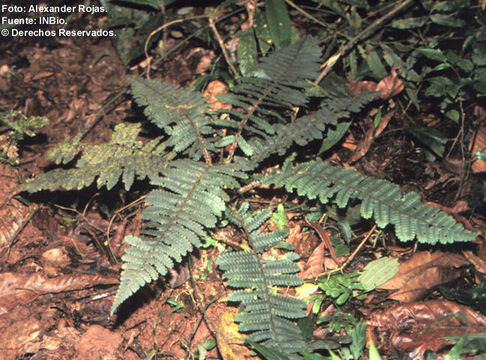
(380, 199)
(190, 197)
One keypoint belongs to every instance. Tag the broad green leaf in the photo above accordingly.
(410, 23)
(334, 136)
(479, 54)
(447, 20)
(262, 34)
(453, 115)
(278, 21)
(375, 65)
(432, 54)
(378, 272)
(247, 51)
(432, 138)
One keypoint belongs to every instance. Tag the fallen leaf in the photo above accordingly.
(423, 272)
(214, 88)
(387, 87)
(370, 136)
(17, 288)
(14, 215)
(416, 327)
(230, 341)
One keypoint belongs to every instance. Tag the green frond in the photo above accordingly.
(180, 112)
(381, 199)
(309, 127)
(276, 84)
(190, 196)
(123, 157)
(265, 314)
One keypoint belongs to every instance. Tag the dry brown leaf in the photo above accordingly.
(422, 273)
(388, 87)
(370, 136)
(414, 328)
(479, 263)
(16, 288)
(317, 263)
(53, 260)
(214, 88)
(13, 214)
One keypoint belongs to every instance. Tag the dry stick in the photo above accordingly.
(223, 48)
(351, 257)
(209, 323)
(117, 213)
(160, 28)
(329, 64)
(305, 13)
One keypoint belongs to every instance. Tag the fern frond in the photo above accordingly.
(123, 157)
(265, 314)
(190, 197)
(309, 127)
(380, 199)
(180, 112)
(270, 90)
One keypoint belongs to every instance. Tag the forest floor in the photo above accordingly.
(57, 279)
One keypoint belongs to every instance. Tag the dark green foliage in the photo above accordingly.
(188, 199)
(272, 87)
(181, 113)
(309, 127)
(257, 276)
(124, 156)
(380, 199)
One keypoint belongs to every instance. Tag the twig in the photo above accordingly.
(329, 64)
(160, 28)
(305, 13)
(223, 48)
(209, 323)
(351, 257)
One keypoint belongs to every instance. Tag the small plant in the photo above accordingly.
(18, 127)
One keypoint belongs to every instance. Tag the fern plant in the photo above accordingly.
(193, 178)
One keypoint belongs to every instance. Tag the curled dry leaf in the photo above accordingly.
(422, 273)
(214, 88)
(370, 136)
(416, 327)
(388, 87)
(317, 263)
